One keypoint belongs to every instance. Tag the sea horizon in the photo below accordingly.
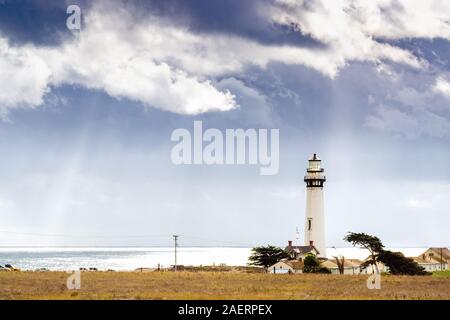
(130, 258)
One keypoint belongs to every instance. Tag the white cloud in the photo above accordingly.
(168, 66)
(123, 59)
(342, 21)
(442, 86)
(24, 76)
(395, 19)
(126, 60)
(348, 28)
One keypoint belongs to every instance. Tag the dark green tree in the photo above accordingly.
(371, 243)
(267, 256)
(399, 264)
(312, 265)
(395, 261)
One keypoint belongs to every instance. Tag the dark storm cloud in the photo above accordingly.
(243, 18)
(435, 51)
(41, 22)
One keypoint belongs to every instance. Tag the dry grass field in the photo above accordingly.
(217, 285)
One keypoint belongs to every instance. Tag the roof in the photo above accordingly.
(438, 260)
(420, 260)
(314, 157)
(433, 259)
(329, 264)
(354, 262)
(294, 264)
(348, 263)
(437, 251)
(301, 249)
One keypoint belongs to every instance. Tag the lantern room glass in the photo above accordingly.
(314, 165)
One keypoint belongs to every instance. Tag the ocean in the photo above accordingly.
(127, 259)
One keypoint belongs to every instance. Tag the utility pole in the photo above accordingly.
(175, 239)
(442, 262)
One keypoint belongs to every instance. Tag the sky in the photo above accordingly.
(86, 118)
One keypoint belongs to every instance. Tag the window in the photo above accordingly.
(309, 224)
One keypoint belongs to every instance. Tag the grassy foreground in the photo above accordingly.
(217, 285)
(445, 273)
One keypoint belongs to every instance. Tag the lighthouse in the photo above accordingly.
(314, 217)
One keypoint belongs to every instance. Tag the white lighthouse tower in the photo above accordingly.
(314, 217)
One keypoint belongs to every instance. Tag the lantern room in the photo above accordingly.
(314, 164)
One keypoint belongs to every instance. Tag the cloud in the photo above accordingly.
(24, 76)
(411, 97)
(123, 60)
(442, 86)
(127, 60)
(348, 29)
(341, 21)
(393, 120)
(255, 107)
(411, 105)
(167, 65)
(409, 124)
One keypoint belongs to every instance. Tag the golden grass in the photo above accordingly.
(217, 285)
